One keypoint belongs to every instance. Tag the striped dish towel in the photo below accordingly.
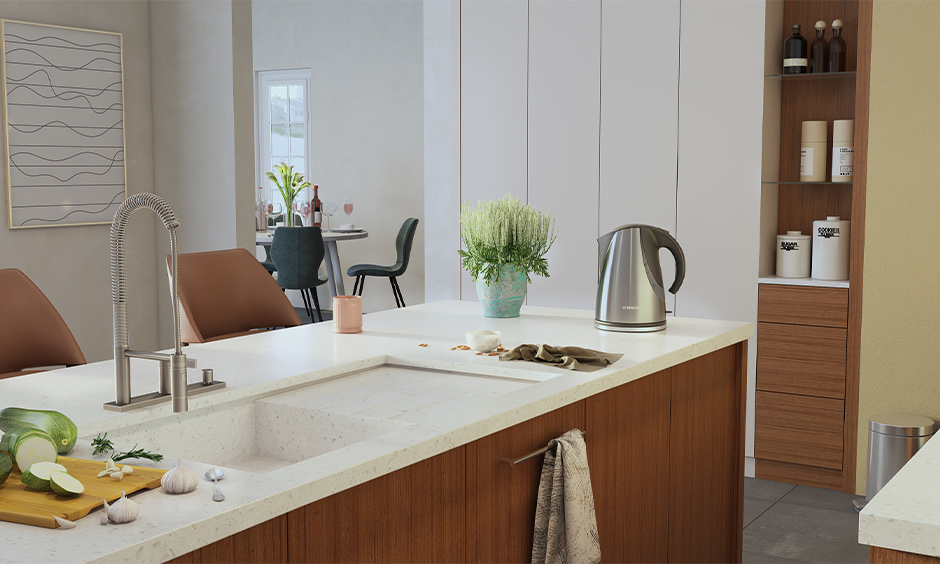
(565, 523)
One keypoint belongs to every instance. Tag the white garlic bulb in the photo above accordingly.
(179, 480)
(123, 511)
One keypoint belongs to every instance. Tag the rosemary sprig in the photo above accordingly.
(103, 444)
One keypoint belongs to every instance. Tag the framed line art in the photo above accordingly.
(63, 108)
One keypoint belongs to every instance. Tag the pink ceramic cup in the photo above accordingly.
(347, 314)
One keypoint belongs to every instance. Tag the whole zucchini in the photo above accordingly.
(6, 465)
(62, 430)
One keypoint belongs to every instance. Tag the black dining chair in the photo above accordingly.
(268, 263)
(297, 253)
(403, 243)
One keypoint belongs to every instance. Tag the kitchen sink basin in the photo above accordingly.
(255, 436)
(266, 433)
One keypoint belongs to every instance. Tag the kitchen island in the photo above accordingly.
(901, 524)
(407, 450)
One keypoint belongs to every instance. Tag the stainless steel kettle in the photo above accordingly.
(630, 294)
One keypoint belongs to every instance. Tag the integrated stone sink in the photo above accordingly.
(267, 433)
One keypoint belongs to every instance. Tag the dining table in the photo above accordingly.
(334, 269)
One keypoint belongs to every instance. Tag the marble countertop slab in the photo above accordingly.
(905, 514)
(277, 364)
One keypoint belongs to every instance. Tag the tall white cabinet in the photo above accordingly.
(610, 112)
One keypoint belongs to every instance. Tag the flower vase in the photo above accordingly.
(505, 297)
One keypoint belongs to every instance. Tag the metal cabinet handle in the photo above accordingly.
(532, 454)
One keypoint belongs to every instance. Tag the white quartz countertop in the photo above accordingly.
(905, 514)
(309, 359)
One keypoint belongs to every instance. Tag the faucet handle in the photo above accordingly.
(190, 362)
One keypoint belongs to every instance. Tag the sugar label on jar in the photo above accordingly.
(843, 161)
(806, 161)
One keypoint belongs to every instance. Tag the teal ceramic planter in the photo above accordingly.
(505, 298)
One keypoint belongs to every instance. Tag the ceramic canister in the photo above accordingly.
(813, 151)
(843, 150)
(831, 249)
(793, 255)
(347, 314)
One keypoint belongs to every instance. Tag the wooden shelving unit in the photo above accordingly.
(807, 367)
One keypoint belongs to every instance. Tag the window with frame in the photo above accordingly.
(284, 127)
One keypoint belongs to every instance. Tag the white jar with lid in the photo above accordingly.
(843, 150)
(813, 151)
(831, 249)
(793, 255)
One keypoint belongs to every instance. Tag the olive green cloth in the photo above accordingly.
(572, 358)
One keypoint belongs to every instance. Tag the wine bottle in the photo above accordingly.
(317, 213)
(794, 53)
(837, 49)
(819, 50)
(261, 213)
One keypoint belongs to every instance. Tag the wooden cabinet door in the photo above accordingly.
(627, 438)
(415, 514)
(501, 498)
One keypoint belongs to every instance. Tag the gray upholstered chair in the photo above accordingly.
(403, 243)
(297, 253)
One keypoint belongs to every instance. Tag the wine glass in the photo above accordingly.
(348, 207)
(328, 209)
(305, 211)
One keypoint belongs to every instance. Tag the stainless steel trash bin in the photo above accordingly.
(893, 438)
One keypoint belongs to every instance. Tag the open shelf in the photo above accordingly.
(803, 282)
(813, 76)
(811, 183)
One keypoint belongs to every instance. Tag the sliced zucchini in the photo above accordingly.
(6, 465)
(63, 483)
(37, 476)
(29, 446)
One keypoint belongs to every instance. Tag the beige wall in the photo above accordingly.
(71, 264)
(900, 366)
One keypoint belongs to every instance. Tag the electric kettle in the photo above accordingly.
(630, 294)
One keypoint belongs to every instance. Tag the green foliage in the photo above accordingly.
(502, 232)
(289, 183)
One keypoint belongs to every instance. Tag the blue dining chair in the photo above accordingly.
(297, 253)
(403, 243)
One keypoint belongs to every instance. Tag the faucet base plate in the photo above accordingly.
(155, 398)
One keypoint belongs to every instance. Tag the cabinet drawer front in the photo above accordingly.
(827, 307)
(799, 429)
(801, 359)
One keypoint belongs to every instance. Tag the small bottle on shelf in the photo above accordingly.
(837, 49)
(261, 212)
(794, 53)
(317, 206)
(819, 50)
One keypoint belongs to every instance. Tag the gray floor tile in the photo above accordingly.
(808, 534)
(823, 498)
(754, 507)
(758, 558)
(765, 489)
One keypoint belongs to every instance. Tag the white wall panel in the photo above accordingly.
(640, 118)
(564, 112)
(720, 118)
(493, 74)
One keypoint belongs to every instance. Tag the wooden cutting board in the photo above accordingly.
(20, 504)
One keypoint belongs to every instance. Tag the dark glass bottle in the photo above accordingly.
(836, 49)
(819, 50)
(794, 53)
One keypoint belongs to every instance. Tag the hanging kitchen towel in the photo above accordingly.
(565, 523)
(572, 358)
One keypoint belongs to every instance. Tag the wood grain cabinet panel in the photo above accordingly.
(799, 429)
(266, 542)
(801, 359)
(501, 498)
(626, 430)
(825, 307)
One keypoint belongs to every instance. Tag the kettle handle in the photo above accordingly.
(664, 239)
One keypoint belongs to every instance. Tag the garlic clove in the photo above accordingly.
(127, 470)
(179, 480)
(104, 473)
(110, 464)
(123, 511)
(63, 523)
(117, 476)
(104, 518)
(106, 506)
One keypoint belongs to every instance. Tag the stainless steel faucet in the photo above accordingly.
(173, 379)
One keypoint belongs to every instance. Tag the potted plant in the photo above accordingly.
(289, 183)
(504, 243)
